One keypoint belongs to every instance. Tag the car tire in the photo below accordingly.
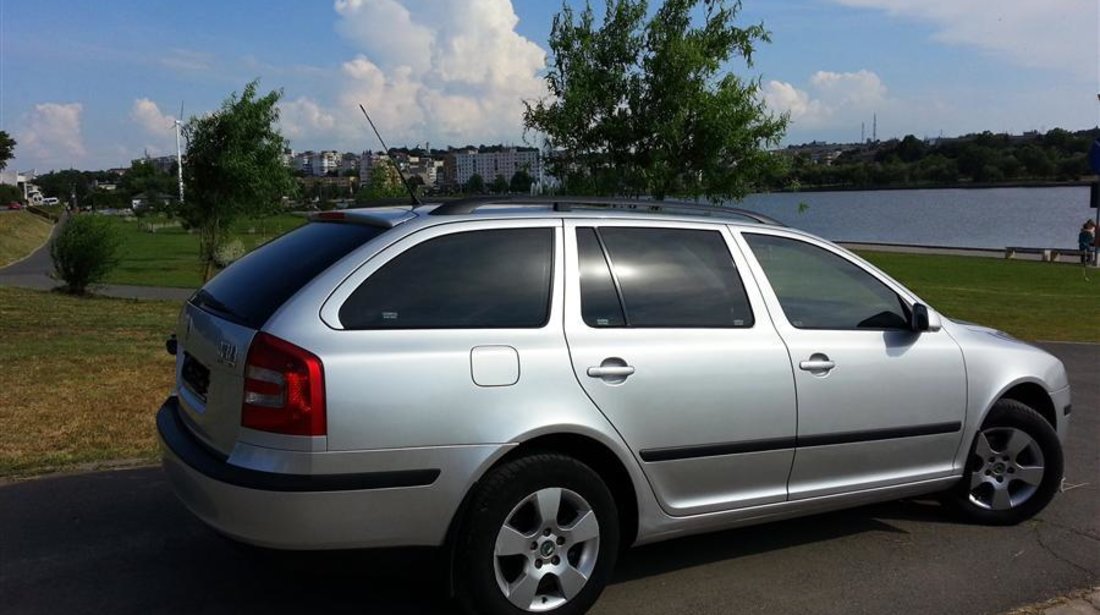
(1013, 469)
(541, 534)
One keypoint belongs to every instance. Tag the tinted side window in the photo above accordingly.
(820, 290)
(477, 279)
(676, 278)
(600, 305)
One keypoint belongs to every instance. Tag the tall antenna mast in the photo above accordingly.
(412, 193)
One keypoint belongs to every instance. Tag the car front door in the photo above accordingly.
(878, 403)
(681, 357)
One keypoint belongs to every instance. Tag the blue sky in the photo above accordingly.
(93, 85)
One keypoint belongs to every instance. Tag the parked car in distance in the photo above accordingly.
(15, 205)
(535, 384)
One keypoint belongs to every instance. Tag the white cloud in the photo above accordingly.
(831, 100)
(53, 132)
(445, 72)
(1051, 34)
(304, 117)
(147, 114)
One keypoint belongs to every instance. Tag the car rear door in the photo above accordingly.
(878, 403)
(676, 349)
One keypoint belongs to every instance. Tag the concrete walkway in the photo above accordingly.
(1085, 602)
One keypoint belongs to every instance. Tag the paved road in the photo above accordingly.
(34, 272)
(118, 542)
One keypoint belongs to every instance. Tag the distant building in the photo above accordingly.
(349, 162)
(460, 166)
(321, 163)
(368, 160)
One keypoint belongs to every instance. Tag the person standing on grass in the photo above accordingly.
(1086, 241)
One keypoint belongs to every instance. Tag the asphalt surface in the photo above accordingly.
(34, 272)
(118, 542)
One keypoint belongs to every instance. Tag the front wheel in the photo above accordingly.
(541, 535)
(1014, 469)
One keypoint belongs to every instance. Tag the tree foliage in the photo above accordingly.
(980, 158)
(647, 105)
(7, 149)
(384, 183)
(476, 184)
(233, 167)
(521, 182)
(85, 251)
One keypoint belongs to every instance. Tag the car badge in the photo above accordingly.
(227, 354)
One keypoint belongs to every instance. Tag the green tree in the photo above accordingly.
(234, 167)
(911, 149)
(10, 194)
(499, 185)
(7, 149)
(643, 105)
(384, 183)
(475, 185)
(85, 251)
(521, 182)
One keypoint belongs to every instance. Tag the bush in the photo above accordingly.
(85, 251)
(226, 253)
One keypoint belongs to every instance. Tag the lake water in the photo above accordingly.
(978, 218)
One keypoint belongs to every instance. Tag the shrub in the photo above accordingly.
(85, 251)
(226, 253)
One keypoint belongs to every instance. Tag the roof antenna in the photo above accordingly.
(412, 193)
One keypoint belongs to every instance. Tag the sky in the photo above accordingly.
(93, 85)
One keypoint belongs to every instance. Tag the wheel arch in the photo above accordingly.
(1033, 395)
(588, 449)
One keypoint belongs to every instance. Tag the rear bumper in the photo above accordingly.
(383, 503)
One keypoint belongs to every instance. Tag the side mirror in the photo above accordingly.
(918, 318)
(923, 319)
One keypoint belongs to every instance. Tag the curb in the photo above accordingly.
(1080, 602)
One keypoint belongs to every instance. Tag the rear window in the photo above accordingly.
(250, 290)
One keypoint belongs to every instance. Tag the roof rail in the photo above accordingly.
(570, 203)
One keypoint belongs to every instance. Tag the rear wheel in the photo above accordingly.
(541, 535)
(1014, 467)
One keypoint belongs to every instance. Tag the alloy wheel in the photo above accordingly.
(546, 549)
(1008, 468)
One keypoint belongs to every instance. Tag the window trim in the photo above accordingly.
(596, 225)
(905, 297)
(330, 309)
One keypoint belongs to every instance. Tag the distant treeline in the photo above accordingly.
(983, 158)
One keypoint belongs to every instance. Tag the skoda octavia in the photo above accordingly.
(535, 385)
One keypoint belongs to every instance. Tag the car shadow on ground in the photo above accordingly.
(413, 580)
(687, 552)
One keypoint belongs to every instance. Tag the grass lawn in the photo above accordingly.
(80, 379)
(1029, 299)
(158, 252)
(20, 234)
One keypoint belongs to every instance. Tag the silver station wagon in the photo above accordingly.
(535, 385)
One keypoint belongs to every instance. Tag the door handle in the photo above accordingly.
(818, 364)
(610, 371)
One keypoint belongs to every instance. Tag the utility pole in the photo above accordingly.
(874, 129)
(179, 160)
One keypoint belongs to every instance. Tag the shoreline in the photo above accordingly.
(966, 186)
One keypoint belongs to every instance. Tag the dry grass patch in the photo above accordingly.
(20, 234)
(80, 379)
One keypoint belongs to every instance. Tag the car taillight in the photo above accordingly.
(284, 388)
